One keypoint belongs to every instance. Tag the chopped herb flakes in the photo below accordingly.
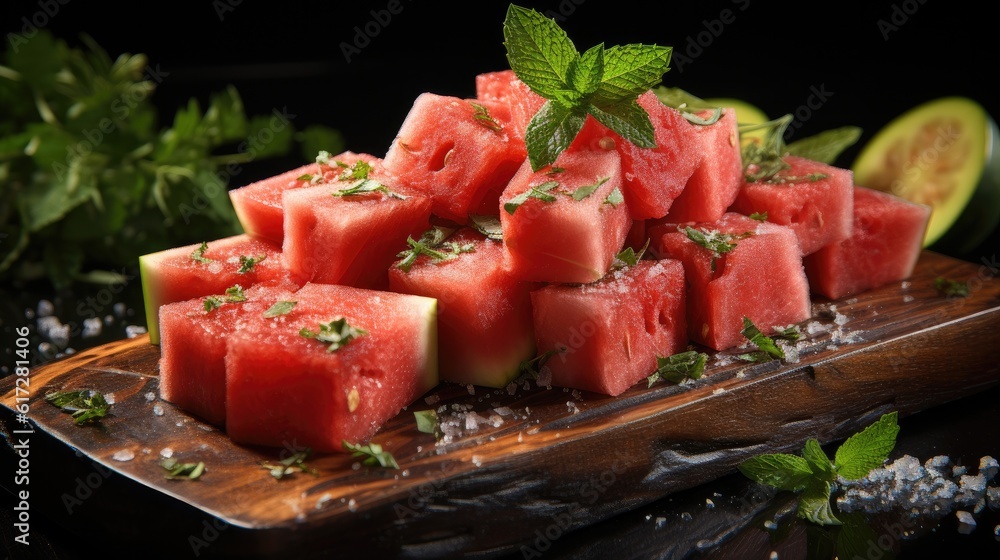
(338, 333)
(280, 308)
(247, 263)
(678, 368)
(373, 453)
(952, 288)
(289, 466)
(482, 116)
(84, 406)
(198, 255)
(428, 422)
(233, 294)
(178, 471)
(768, 349)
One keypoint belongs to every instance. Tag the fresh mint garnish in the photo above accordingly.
(247, 263)
(759, 216)
(540, 192)
(428, 423)
(233, 294)
(280, 308)
(84, 406)
(357, 172)
(482, 116)
(433, 244)
(373, 453)
(296, 463)
(604, 83)
(338, 333)
(587, 190)
(949, 287)
(768, 349)
(488, 226)
(678, 368)
(813, 474)
(629, 257)
(614, 198)
(177, 470)
(715, 241)
(198, 255)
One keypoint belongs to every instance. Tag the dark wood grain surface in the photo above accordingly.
(560, 461)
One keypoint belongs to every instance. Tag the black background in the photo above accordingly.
(872, 62)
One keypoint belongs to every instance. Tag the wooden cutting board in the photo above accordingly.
(533, 462)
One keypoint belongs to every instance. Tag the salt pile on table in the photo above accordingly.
(933, 489)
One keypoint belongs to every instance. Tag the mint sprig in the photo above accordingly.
(603, 83)
(814, 475)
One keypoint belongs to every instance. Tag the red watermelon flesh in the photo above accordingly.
(654, 177)
(484, 333)
(565, 240)
(811, 197)
(762, 278)
(193, 348)
(884, 246)
(443, 150)
(174, 275)
(718, 176)
(349, 240)
(258, 205)
(607, 335)
(283, 388)
(514, 97)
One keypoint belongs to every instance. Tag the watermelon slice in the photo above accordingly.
(455, 152)
(565, 223)
(888, 234)
(332, 238)
(258, 205)
(283, 387)
(606, 336)
(811, 197)
(484, 333)
(760, 276)
(718, 176)
(197, 270)
(193, 347)
(516, 103)
(654, 177)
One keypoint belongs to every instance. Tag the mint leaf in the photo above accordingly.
(586, 190)
(678, 368)
(198, 255)
(337, 333)
(780, 470)
(949, 287)
(488, 226)
(427, 422)
(814, 504)
(615, 198)
(631, 70)
(629, 120)
(538, 50)
(820, 464)
(280, 308)
(759, 216)
(483, 117)
(374, 455)
(629, 257)
(585, 72)
(867, 449)
(826, 146)
(541, 192)
(766, 344)
(549, 132)
(247, 263)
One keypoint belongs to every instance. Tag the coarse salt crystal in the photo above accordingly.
(166, 453)
(123, 455)
(150, 396)
(157, 410)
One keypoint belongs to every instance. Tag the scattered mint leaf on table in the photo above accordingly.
(678, 368)
(764, 343)
(374, 455)
(178, 471)
(296, 463)
(85, 406)
(601, 82)
(428, 422)
(950, 287)
(813, 474)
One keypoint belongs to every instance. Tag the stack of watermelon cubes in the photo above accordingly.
(449, 259)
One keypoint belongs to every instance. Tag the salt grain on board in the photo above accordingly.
(123, 455)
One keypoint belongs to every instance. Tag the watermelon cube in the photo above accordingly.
(331, 238)
(884, 246)
(516, 103)
(456, 152)
(741, 268)
(483, 334)
(285, 384)
(718, 176)
(193, 339)
(565, 223)
(654, 177)
(607, 335)
(811, 197)
(258, 205)
(183, 273)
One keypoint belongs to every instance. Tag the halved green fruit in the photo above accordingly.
(942, 154)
